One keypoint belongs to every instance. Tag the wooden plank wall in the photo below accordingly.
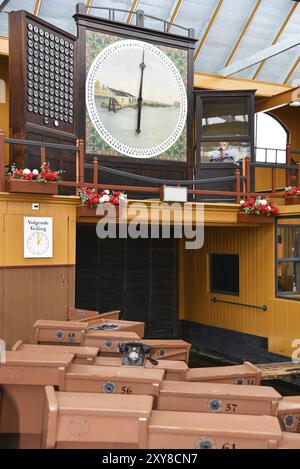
(31, 289)
(255, 247)
(280, 324)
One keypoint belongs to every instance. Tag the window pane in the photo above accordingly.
(224, 152)
(288, 245)
(224, 116)
(60, 14)
(224, 273)
(288, 278)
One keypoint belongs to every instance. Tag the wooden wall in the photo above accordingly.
(280, 324)
(255, 247)
(4, 107)
(35, 288)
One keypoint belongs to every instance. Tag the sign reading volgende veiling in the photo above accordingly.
(38, 237)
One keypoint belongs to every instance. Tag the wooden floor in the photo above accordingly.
(279, 370)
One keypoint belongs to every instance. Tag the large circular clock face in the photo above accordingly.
(38, 243)
(136, 98)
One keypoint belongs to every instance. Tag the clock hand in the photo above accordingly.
(140, 98)
(39, 239)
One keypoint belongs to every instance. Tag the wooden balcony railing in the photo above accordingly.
(241, 177)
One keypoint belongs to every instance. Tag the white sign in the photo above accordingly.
(175, 194)
(38, 237)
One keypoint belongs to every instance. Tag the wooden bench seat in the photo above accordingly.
(218, 398)
(85, 420)
(247, 373)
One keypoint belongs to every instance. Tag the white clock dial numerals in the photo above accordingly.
(136, 98)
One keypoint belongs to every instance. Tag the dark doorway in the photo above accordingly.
(137, 276)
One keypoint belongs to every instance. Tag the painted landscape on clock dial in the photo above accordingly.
(117, 88)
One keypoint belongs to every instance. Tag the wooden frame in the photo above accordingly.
(284, 295)
(25, 124)
(249, 137)
(159, 168)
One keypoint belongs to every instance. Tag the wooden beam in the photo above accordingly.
(264, 54)
(88, 6)
(209, 26)
(274, 102)
(174, 14)
(282, 28)
(132, 9)
(287, 78)
(3, 4)
(3, 45)
(242, 34)
(37, 7)
(209, 81)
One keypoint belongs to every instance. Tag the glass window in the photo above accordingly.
(225, 116)
(60, 14)
(270, 139)
(224, 152)
(288, 246)
(289, 278)
(224, 274)
(288, 258)
(13, 5)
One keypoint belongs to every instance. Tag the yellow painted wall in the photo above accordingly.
(255, 247)
(13, 208)
(4, 107)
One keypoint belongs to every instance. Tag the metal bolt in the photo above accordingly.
(109, 387)
(204, 443)
(214, 405)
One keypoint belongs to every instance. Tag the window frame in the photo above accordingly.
(247, 138)
(222, 292)
(290, 295)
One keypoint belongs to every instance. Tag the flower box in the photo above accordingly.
(292, 200)
(31, 187)
(243, 217)
(86, 211)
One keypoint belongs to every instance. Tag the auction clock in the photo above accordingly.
(38, 237)
(136, 98)
(38, 243)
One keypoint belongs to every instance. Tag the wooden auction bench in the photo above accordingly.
(115, 325)
(82, 354)
(76, 314)
(178, 430)
(83, 332)
(22, 379)
(175, 370)
(60, 332)
(247, 373)
(108, 341)
(290, 441)
(218, 398)
(289, 413)
(118, 380)
(173, 349)
(83, 420)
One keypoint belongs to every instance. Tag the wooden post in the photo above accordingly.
(80, 144)
(288, 162)
(95, 172)
(248, 174)
(43, 155)
(298, 174)
(273, 179)
(2, 162)
(237, 174)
